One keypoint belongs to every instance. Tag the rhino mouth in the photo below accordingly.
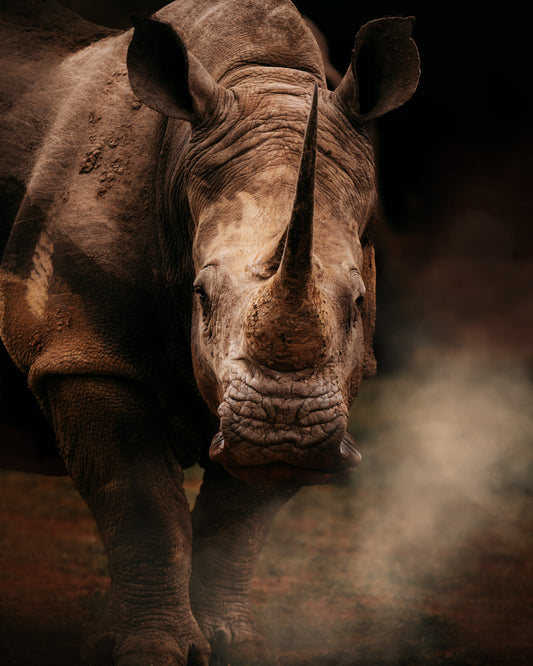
(344, 459)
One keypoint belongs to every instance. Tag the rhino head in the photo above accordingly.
(278, 174)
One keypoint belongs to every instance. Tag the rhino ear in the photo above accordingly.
(384, 71)
(165, 77)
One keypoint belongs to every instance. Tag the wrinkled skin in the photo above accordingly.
(260, 403)
(190, 278)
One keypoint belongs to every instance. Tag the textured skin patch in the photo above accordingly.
(269, 416)
(41, 274)
(249, 220)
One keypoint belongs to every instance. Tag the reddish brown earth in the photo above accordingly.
(343, 579)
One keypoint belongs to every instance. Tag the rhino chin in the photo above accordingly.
(280, 473)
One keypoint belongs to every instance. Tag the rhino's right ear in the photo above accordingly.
(165, 77)
(384, 71)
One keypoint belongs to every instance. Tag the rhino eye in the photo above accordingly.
(360, 300)
(203, 288)
(201, 293)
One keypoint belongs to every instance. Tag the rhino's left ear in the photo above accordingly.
(167, 78)
(384, 71)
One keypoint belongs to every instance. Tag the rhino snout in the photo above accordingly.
(297, 434)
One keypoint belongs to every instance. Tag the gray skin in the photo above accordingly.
(189, 278)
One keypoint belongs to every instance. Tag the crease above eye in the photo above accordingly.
(203, 297)
(204, 275)
(355, 275)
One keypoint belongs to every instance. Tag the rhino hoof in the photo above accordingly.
(151, 650)
(242, 646)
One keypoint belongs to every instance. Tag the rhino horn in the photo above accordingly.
(286, 326)
(297, 259)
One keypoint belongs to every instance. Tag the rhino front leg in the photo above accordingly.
(230, 523)
(115, 447)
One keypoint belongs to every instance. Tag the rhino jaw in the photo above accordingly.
(345, 458)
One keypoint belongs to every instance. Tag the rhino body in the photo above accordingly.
(189, 277)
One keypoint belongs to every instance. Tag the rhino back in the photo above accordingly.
(86, 219)
(35, 37)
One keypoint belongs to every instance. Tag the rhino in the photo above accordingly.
(189, 277)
